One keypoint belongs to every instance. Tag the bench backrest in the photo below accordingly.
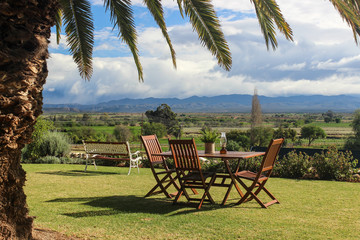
(107, 148)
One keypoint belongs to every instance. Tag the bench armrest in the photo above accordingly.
(135, 153)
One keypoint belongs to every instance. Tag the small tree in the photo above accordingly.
(165, 116)
(256, 119)
(312, 132)
(256, 116)
(261, 136)
(122, 133)
(288, 134)
(240, 137)
(353, 142)
(328, 116)
(89, 134)
(154, 128)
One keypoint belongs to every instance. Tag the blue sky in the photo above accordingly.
(323, 59)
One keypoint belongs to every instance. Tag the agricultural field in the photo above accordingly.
(191, 124)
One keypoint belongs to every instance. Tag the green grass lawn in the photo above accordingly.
(108, 204)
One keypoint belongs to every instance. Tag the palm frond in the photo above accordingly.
(268, 13)
(121, 16)
(350, 12)
(79, 29)
(180, 2)
(355, 4)
(204, 20)
(58, 24)
(157, 12)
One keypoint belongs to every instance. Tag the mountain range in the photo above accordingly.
(222, 103)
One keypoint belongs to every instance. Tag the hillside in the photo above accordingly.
(223, 103)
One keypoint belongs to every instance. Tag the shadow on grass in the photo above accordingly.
(134, 204)
(79, 173)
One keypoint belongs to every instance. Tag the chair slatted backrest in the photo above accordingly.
(271, 154)
(152, 145)
(107, 148)
(185, 155)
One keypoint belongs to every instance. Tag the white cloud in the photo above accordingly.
(53, 44)
(322, 60)
(105, 46)
(343, 62)
(332, 85)
(292, 67)
(105, 34)
(97, 2)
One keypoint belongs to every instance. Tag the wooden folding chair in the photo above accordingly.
(259, 179)
(188, 169)
(163, 177)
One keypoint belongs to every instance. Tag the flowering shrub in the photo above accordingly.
(292, 165)
(333, 164)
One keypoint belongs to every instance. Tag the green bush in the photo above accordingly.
(240, 137)
(333, 164)
(327, 165)
(122, 133)
(32, 150)
(49, 144)
(292, 165)
(154, 128)
(261, 136)
(55, 144)
(251, 164)
(169, 161)
(89, 134)
(232, 146)
(213, 166)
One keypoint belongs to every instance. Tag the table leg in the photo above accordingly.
(233, 181)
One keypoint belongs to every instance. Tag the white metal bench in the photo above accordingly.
(116, 151)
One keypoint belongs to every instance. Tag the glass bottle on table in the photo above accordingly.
(223, 143)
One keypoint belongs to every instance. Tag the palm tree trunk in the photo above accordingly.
(25, 30)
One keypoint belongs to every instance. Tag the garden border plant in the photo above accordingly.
(331, 164)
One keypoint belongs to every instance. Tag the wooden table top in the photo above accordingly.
(217, 154)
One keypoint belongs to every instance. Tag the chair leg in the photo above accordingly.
(181, 192)
(183, 189)
(261, 186)
(86, 163)
(207, 190)
(207, 193)
(159, 184)
(253, 195)
(227, 193)
(249, 195)
(274, 200)
(177, 197)
(172, 181)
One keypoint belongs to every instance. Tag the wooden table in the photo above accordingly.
(230, 155)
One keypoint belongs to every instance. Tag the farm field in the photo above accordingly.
(191, 124)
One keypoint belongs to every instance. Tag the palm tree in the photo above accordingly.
(25, 31)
